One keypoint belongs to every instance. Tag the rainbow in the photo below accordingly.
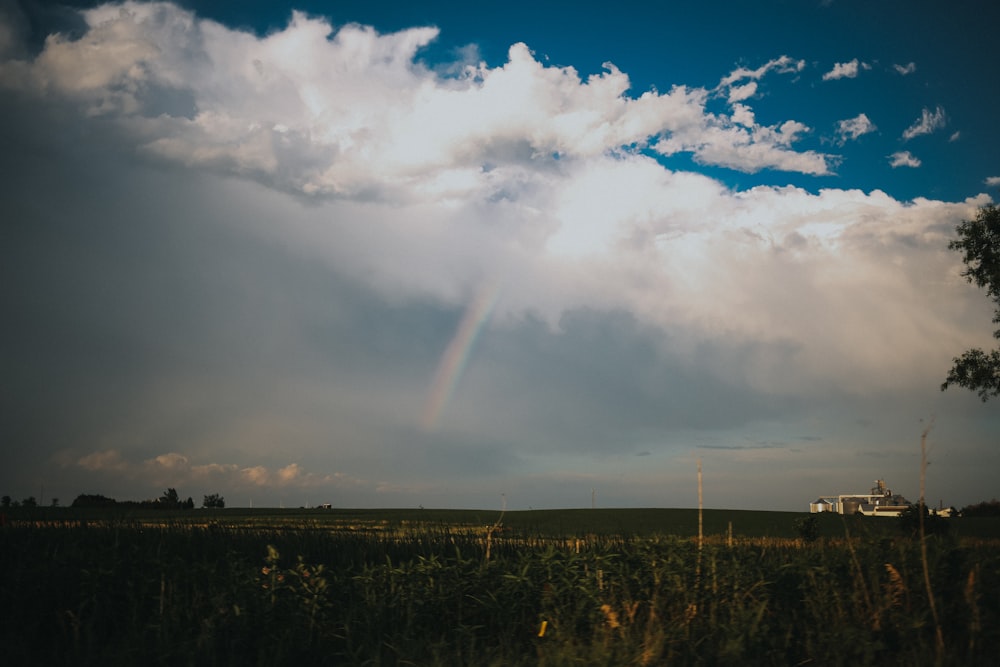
(456, 355)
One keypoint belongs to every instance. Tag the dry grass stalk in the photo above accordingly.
(611, 617)
(701, 537)
(860, 575)
(489, 533)
(896, 588)
(972, 599)
(938, 634)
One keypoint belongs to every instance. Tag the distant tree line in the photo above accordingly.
(170, 500)
(7, 502)
(985, 508)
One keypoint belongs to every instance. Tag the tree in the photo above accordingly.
(979, 242)
(985, 508)
(214, 500)
(934, 524)
(93, 500)
(170, 498)
(5, 501)
(29, 502)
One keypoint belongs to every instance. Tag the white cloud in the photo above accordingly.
(743, 115)
(903, 159)
(176, 470)
(352, 113)
(739, 143)
(687, 255)
(848, 70)
(108, 460)
(929, 121)
(468, 163)
(852, 128)
(992, 181)
(782, 65)
(906, 69)
(171, 461)
(740, 93)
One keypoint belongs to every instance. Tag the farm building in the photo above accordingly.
(881, 501)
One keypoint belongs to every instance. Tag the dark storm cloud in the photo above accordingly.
(143, 317)
(602, 381)
(29, 22)
(123, 285)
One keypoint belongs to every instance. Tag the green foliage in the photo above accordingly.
(909, 521)
(979, 242)
(29, 502)
(93, 500)
(989, 508)
(214, 501)
(123, 592)
(978, 371)
(170, 499)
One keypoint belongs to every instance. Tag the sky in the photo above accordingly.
(523, 255)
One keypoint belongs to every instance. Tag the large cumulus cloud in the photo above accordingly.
(261, 245)
(348, 111)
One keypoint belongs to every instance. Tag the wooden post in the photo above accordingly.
(700, 521)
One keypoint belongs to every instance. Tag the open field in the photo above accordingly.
(553, 523)
(545, 587)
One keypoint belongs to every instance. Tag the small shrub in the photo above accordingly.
(909, 522)
(807, 528)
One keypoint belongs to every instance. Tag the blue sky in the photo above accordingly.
(417, 254)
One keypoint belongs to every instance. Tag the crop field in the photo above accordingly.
(541, 587)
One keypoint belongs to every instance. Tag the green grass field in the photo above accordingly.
(555, 523)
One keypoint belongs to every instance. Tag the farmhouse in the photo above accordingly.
(881, 501)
